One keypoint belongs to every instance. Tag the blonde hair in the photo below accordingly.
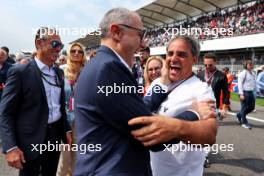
(73, 69)
(146, 77)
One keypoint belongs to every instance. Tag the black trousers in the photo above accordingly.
(46, 163)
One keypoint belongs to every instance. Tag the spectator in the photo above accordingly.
(9, 59)
(4, 67)
(217, 80)
(230, 79)
(76, 60)
(246, 87)
(21, 58)
(260, 83)
(152, 70)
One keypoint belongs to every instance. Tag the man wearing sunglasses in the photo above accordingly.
(217, 80)
(103, 119)
(32, 111)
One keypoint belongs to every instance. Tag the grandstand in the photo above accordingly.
(233, 29)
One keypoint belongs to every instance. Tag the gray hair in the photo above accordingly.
(115, 15)
(195, 46)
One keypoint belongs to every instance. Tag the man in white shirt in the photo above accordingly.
(246, 88)
(182, 54)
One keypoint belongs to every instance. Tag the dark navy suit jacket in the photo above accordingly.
(103, 119)
(24, 109)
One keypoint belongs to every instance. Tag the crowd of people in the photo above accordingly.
(58, 98)
(243, 19)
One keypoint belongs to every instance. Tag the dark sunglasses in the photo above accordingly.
(142, 33)
(78, 51)
(55, 44)
(208, 65)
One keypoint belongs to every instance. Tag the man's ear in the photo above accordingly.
(38, 43)
(115, 31)
(195, 59)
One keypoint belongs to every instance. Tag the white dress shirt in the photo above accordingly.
(53, 93)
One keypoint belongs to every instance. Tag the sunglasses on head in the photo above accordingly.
(55, 44)
(141, 32)
(73, 51)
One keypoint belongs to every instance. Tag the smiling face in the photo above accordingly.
(49, 48)
(76, 53)
(154, 69)
(180, 60)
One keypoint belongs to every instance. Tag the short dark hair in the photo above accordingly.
(194, 44)
(211, 56)
(226, 69)
(147, 49)
(5, 48)
(246, 62)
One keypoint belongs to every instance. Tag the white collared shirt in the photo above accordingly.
(121, 59)
(180, 162)
(246, 81)
(53, 93)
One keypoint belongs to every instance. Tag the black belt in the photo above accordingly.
(53, 125)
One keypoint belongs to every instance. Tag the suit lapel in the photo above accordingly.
(39, 79)
(108, 50)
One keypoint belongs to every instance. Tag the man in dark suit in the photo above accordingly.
(107, 98)
(217, 80)
(32, 110)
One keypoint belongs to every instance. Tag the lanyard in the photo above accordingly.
(172, 86)
(209, 79)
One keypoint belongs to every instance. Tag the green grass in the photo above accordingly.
(235, 97)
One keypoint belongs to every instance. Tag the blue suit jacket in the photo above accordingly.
(102, 119)
(24, 109)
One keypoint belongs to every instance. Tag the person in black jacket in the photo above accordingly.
(9, 59)
(217, 80)
(4, 67)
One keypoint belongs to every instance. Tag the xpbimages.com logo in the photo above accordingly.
(126, 89)
(82, 148)
(194, 31)
(68, 31)
(183, 147)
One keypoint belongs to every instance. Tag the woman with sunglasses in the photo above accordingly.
(152, 70)
(75, 62)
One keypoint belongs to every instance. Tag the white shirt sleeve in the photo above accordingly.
(241, 78)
